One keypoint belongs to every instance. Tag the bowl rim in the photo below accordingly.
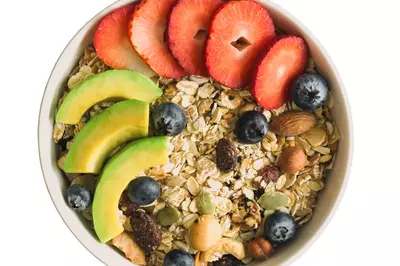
(346, 106)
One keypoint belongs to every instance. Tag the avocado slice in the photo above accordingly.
(117, 173)
(114, 126)
(110, 84)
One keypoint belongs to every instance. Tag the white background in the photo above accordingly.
(361, 36)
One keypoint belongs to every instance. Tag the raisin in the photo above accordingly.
(226, 154)
(146, 231)
(127, 206)
(228, 260)
(270, 174)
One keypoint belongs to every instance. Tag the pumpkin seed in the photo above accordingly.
(273, 201)
(168, 216)
(205, 203)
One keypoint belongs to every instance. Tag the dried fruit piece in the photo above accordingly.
(270, 173)
(168, 216)
(226, 155)
(228, 260)
(146, 232)
(293, 123)
(259, 248)
(127, 206)
(206, 203)
(292, 160)
(127, 245)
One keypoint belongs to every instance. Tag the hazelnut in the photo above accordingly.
(292, 160)
(205, 233)
(259, 248)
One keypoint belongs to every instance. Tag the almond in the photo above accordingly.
(292, 160)
(293, 123)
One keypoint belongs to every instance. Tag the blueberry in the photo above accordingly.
(178, 257)
(79, 198)
(251, 127)
(168, 119)
(279, 228)
(143, 190)
(309, 91)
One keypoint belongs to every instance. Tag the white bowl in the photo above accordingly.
(328, 200)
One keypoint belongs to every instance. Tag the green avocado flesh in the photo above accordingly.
(117, 173)
(116, 125)
(111, 84)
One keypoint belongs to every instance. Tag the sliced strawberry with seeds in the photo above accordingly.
(278, 67)
(112, 43)
(239, 31)
(187, 31)
(146, 32)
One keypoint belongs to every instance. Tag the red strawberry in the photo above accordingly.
(112, 43)
(187, 31)
(238, 33)
(146, 31)
(277, 69)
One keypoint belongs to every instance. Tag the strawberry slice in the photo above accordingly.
(187, 31)
(278, 67)
(146, 31)
(238, 33)
(112, 43)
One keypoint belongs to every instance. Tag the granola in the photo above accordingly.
(212, 111)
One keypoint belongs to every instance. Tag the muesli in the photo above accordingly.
(233, 138)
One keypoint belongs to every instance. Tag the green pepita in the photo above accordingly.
(206, 203)
(273, 201)
(168, 216)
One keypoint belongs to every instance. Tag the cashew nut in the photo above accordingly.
(225, 246)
